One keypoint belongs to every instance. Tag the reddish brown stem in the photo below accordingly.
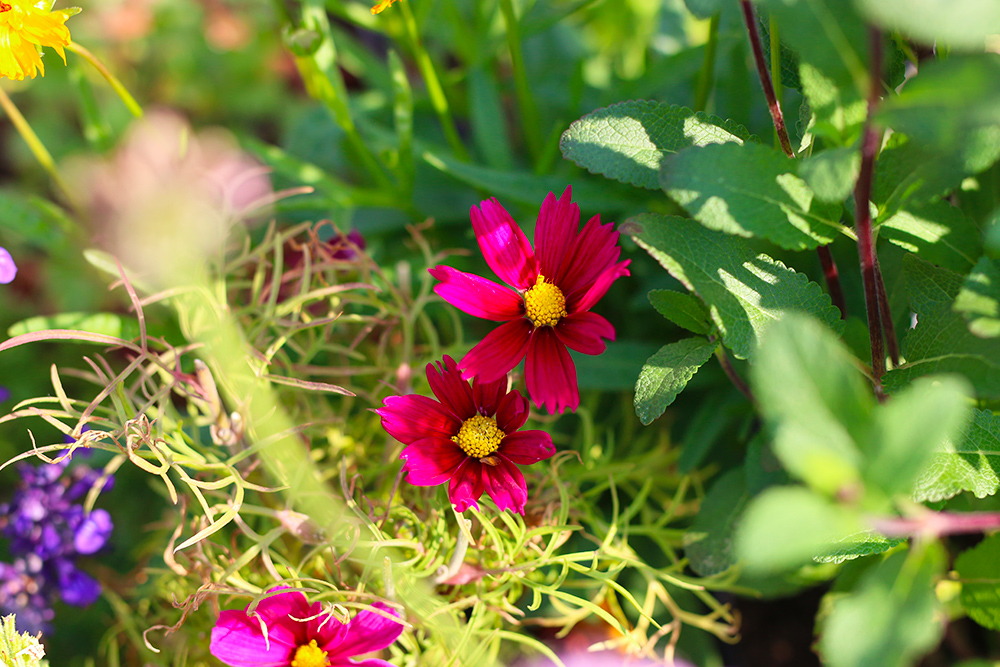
(832, 280)
(825, 258)
(765, 78)
(733, 376)
(935, 524)
(871, 139)
(885, 316)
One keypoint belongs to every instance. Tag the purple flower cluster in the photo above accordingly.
(47, 531)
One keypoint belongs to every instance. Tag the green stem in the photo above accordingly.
(775, 67)
(35, 145)
(117, 85)
(707, 76)
(434, 88)
(530, 121)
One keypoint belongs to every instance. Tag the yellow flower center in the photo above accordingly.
(544, 303)
(309, 655)
(479, 437)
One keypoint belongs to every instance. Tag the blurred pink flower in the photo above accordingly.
(300, 634)
(7, 267)
(468, 437)
(555, 286)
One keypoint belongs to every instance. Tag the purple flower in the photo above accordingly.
(301, 634)
(21, 594)
(48, 530)
(4, 393)
(7, 267)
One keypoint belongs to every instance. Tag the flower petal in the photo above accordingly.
(583, 332)
(238, 641)
(466, 485)
(449, 387)
(412, 417)
(477, 296)
(504, 245)
(7, 267)
(527, 447)
(489, 395)
(505, 485)
(496, 354)
(593, 251)
(431, 461)
(558, 222)
(550, 374)
(513, 412)
(600, 286)
(367, 632)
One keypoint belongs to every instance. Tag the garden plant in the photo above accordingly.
(585, 333)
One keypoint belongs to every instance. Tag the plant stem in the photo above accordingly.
(871, 139)
(775, 44)
(530, 121)
(765, 78)
(886, 316)
(935, 524)
(707, 75)
(434, 88)
(826, 259)
(112, 80)
(731, 373)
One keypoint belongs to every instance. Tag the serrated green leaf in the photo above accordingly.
(891, 616)
(749, 190)
(938, 232)
(703, 9)
(666, 373)
(831, 174)
(745, 292)
(786, 527)
(979, 570)
(960, 24)
(708, 544)
(628, 141)
(969, 462)
(816, 402)
(941, 341)
(682, 309)
(788, 64)
(828, 34)
(838, 112)
(979, 299)
(863, 543)
(108, 324)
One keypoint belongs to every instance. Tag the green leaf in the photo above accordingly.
(666, 373)
(838, 112)
(970, 462)
(938, 232)
(941, 341)
(946, 101)
(828, 34)
(682, 309)
(703, 9)
(627, 141)
(831, 174)
(979, 570)
(108, 324)
(708, 544)
(749, 190)
(909, 427)
(979, 299)
(745, 292)
(961, 24)
(891, 617)
(34, 219)
(863, 543)
(818, 404)
(788, 526)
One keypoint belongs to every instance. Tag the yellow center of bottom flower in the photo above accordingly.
(479, 437)
(544, 304)
(310, 655)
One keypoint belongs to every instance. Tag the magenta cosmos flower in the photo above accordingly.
(555, 286)
(469, 438)
(300, 634)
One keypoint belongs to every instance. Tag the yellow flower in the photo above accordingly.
(24, 29)
(382, 6)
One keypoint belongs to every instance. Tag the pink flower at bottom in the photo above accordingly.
(469, 438)
(555, 286)
(7, 267)
(300, 634)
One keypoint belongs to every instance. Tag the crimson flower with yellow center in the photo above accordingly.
(548, 310)
(24, 29)
(469, 438)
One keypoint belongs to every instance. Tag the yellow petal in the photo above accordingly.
(382, 6)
